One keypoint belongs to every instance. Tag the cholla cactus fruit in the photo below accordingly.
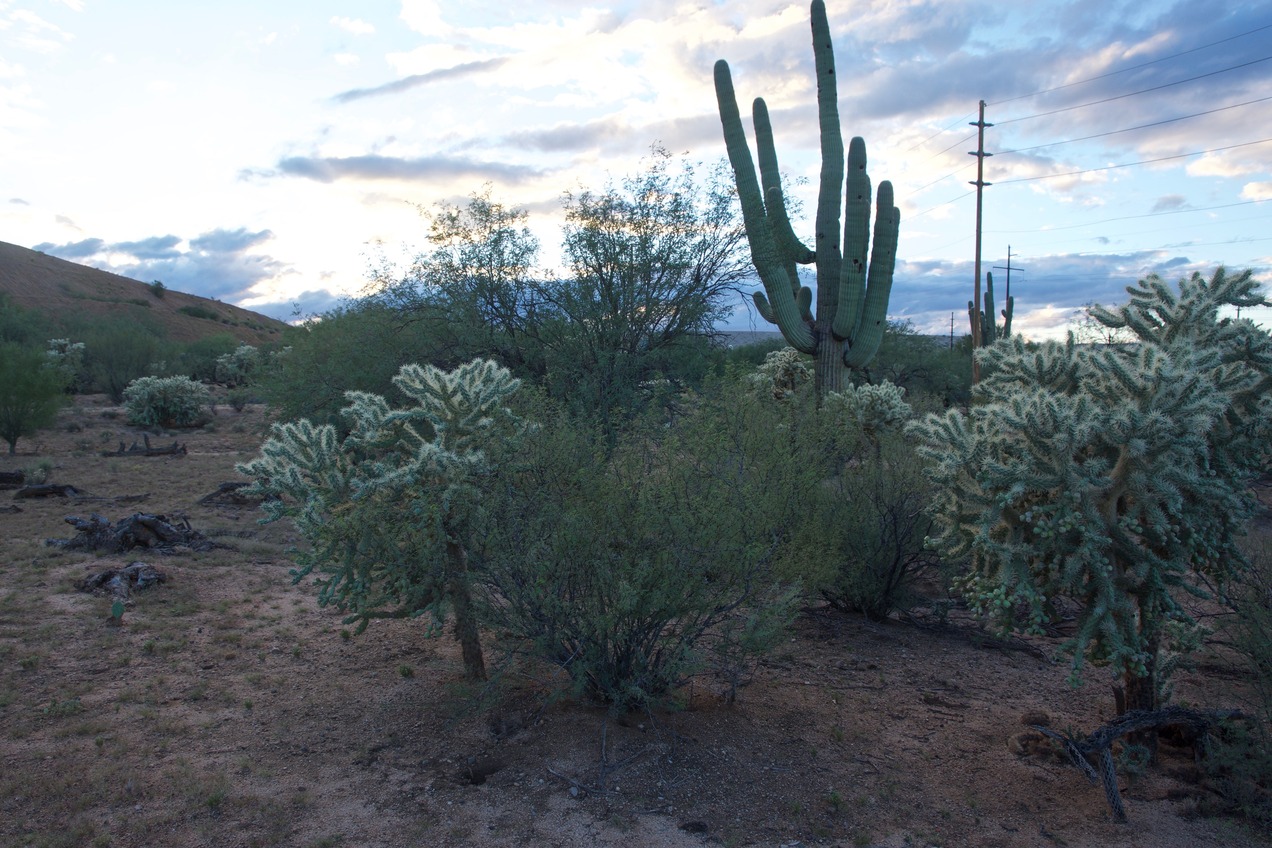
(853, 283)
(1109, 474)
(384, 508)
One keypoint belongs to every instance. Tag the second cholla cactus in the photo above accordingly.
(853, 284)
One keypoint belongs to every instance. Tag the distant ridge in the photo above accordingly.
(65, 294)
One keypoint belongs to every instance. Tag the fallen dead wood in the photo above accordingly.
(122, 582)
(11, 508)
(145, 449)
(49, 490)
(231, 494)
(12, 479)
(139, 530)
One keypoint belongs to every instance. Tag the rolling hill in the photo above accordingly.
(66, 294)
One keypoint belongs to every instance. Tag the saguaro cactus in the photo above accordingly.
(852, 288)
(990, 331)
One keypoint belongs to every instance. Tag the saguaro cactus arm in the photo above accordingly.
(776, 270)
(865, 288)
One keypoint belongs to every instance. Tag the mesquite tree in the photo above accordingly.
(852, 289)
(387, 509)
(1114, 475)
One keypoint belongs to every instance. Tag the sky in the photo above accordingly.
(270, 154)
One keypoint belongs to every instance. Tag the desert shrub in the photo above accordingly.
(1239, 765)
(637, 567)
(196, 311)
(359, 347)
(198, 359)
(873, 516)
(31, 391)
(67, 358)
(166, 402)
(239, 398)
(118, 352)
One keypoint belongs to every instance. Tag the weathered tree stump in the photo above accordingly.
(12, 479)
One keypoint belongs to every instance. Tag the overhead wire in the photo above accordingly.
(1132, 67)
(1132, 164)
(1132, 129)
(1132, 93)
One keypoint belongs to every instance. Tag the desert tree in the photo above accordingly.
(653, 263)
(1114, 476)
(31, 391)
(387, 509)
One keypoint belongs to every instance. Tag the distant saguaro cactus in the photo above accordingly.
(852, 287)
(990, 332)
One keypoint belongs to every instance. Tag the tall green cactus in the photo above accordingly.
(990, 331)
(852, 289)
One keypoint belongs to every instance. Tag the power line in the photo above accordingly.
(1134, 93)
(1132, 67)
(940, 179)
(1132, 129)
(1131, 164)
(1130, 217)
(951, 125)
(939, 205)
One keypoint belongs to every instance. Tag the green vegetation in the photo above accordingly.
(1118, 477)
(388, 509)
(854, 278)
(196, 311)
(31, 392)
(166, 402)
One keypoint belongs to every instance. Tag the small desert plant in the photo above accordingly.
(239, 367)
(166, 402)
(158, 289)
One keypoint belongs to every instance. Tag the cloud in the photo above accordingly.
(1257, 191)
(357, 26)
(371, 167)
(302, 306)
(1170, 203)
(19, 201)
(216, 264)
(465, 69)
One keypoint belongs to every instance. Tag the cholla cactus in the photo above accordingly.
(871, 409)
(852, 288)
(238, 367)
(385, 509)
(1110, 475)
(782, 373)
(67, 357)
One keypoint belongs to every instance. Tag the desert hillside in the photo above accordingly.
(61, 290)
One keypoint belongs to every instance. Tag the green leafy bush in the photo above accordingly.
(166, 402)
(196, 311)
(634, 569)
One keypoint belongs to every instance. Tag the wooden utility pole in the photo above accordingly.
(1008, 268)
(980, 154)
